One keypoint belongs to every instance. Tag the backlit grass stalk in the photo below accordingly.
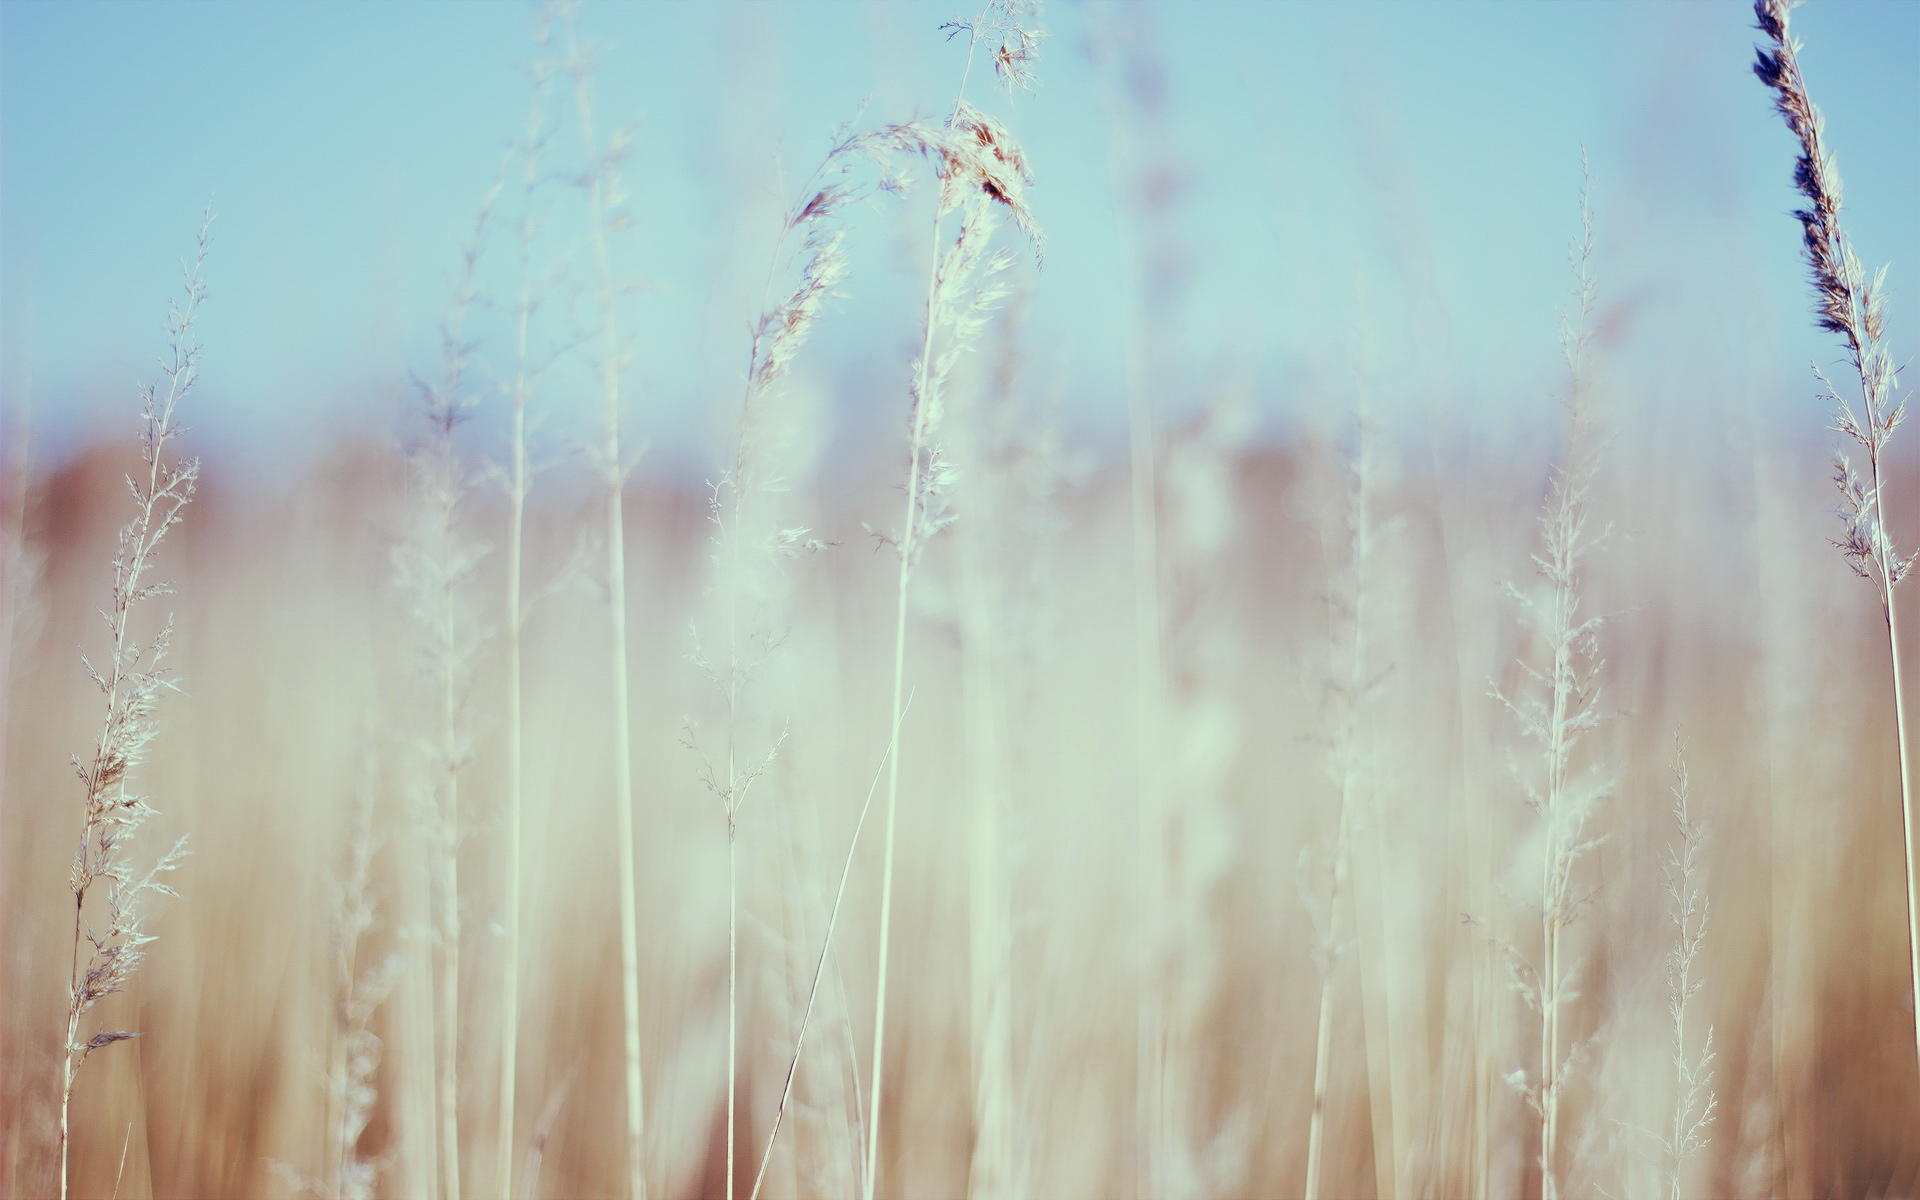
(134, 679)
(778, 337)
(1352, 680)
(1555, 708)
(1852, 305)
(435, 565)
(606, 202)
(982, 169)
(749, 542)
(519, 483)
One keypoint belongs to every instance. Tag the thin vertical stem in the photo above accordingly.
(1910, 818)
(1149, 666)
(616, 566)
(733, 990)
(907, 547)
(893, 761)
(449, 1008)
(510, 918)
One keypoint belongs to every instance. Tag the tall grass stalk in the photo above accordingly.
(749, 541)
(435, 565)
(519, 483)
(1851, 304)
(605, 199)
(133, 681)
(1555, 708)
(981, 169)
(1352, 679)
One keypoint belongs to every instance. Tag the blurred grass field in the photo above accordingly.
(298, 694)
(1208, 800)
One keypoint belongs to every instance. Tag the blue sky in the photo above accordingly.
(1424, 156)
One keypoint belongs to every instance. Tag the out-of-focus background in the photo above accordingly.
(1289, 381)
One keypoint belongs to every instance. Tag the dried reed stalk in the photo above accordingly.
(519, 484)
(135, 678)
(606, 199)
(1352, 680)
(435, 565)
(1555, 708)
(748, 538)
(1852, 305)
(982, 171)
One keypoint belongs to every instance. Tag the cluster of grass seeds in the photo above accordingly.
(746, 544)
(1353, 679)
(751, 538)
(134, 678)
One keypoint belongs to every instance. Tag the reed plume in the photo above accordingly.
(1849, 303)
(751, 537)
(134, 679)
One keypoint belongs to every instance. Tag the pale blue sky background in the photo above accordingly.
(1424, 155)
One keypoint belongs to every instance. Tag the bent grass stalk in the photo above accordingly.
(820, 967)
(135, 679)
(777, 337)
(435, 565)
